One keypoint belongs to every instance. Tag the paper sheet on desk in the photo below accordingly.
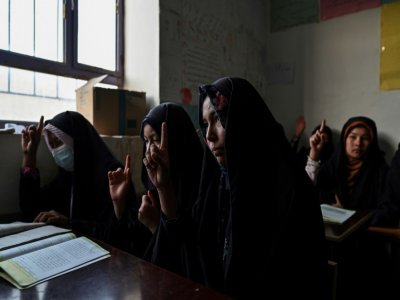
(334, 214)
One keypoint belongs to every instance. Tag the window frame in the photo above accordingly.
(70, 67)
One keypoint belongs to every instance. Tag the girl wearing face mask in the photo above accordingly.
(78, 197)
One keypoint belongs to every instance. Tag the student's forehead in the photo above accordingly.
(208, 107)
(359, 130)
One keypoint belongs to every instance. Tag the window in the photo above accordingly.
(48, 48)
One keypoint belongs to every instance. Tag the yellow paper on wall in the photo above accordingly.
(390, 46)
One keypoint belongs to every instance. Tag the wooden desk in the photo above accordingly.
(339, 232)
(121, 276)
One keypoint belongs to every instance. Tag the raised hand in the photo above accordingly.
(119, 182)
(157, 166)
(300, 126)
(156, 161)
(317, 141)
(30, 140)
(149, 212)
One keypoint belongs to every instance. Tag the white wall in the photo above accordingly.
(142, 41)
(337, 76)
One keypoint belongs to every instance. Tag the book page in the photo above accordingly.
(30, 247)
(30, 235)
(34, 267)
(335, 214)
(10, 228)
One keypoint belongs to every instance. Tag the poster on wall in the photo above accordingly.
(388, 1)
(390, 47)
(289, 13)
(332, 8)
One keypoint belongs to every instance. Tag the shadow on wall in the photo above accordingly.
(11, 159)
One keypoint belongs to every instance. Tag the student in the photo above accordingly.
(253, 233)
(354, 176)
(183, 152)
(78, 196)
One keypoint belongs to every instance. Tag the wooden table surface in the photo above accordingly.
(121, 276)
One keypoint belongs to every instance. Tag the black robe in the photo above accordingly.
(274, 225)
(92, 211)
(185, 156)
(388, 211)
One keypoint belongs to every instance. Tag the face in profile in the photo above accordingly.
(214, 132)
(357, 143)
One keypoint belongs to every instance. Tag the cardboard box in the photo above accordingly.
(111, 111)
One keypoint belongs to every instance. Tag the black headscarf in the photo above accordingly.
(92, 210)
(369, 181)
(185, 157)
(276, 224)
(388, 212)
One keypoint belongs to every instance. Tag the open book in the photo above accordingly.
(334, 214)
(36, 255)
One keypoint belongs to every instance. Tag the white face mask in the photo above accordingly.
(64, 157)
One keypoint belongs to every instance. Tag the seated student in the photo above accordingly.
(303, 152)
(78, 197)
(354, 178)
(180, 143)
(243, 223)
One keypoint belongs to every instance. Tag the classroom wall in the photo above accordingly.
(11, 159)
(142, 59)
(336, 76)
(201, 41)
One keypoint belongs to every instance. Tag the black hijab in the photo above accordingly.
(388, 212)
(92, 210)
(369, 181)
(184, 148)
(271, 198)
(185, 156)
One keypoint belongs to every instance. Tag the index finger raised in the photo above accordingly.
(40, 125)
(127, 162)
(164, 136)
(322, 127)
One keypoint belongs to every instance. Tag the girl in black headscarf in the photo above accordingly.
(184, 153)
(354, 176)
(78, 197)
(251, 202)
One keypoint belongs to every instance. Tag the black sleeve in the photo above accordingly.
(33, 199)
